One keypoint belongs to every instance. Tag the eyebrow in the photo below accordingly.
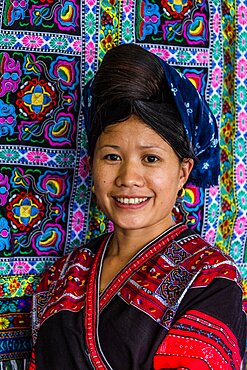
(151, 147)
(141, 147)
(109, 146)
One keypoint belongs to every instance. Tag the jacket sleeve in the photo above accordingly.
(209, 330)
(198, 341)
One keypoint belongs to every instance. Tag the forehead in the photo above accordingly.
(132, 130)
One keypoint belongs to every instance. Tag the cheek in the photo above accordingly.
(98, 174)
(101, 182)
(166, 187)
(165, 180)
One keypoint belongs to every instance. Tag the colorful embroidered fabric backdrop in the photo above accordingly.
(48, 50)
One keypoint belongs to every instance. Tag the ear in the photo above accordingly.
(185, 170)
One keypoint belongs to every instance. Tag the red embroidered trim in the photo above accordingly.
(92, 305)
(32, 365)
(156, 287)
(135, 264)
(92, 312)
(65, 292)
(201, 341)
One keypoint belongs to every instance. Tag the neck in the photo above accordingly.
(125, 244)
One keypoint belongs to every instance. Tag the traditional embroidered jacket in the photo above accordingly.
(177, 304)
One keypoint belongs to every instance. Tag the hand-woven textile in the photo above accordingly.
(48, 50)
(44, 178)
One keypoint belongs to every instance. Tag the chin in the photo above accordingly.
(130, 225)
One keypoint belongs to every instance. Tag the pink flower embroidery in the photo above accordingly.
(216, 23)
(21, 267)
(217, 77)
(162, 53)
(241, 173)
(240, 225)
(210, 236)
(202, 57)
(77, 221)
(242, 15)
(83, 167)
(242, 68)
(91, 2)
(213, 190)
(90, 52)
(31, 41)
(110, 226)
(127, 5)
(77, 45)
(37, 157)
(242, 122)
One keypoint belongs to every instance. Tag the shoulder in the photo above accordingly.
(63, 286)
(203, 261)
(79, 259)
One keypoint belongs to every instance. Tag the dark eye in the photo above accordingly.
(112, 157)
(151, 158)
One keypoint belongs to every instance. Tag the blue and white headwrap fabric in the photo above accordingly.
(200, 126)
(198, 120)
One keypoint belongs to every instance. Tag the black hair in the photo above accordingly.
(131, 81)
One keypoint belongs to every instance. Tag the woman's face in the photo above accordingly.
(137, 176)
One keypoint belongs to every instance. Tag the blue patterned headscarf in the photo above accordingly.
(199, 123)
(200, 126)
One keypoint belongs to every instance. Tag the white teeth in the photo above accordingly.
(131, 200)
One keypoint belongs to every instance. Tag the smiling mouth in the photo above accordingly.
(131, 200)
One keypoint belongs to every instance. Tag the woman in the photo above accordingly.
(152, 294)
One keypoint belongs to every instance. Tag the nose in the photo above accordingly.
(130, 174)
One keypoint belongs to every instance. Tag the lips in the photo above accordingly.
(130, 201)
(134, 200)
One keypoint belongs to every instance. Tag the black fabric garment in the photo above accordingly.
(180, 275)
(128, 343)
